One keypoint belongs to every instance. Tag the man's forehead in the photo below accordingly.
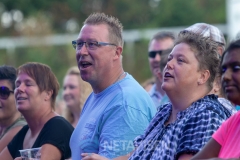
(161, 44)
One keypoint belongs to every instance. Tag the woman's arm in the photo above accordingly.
(210, 150)
(5, 154)
(93, 156)
(50, 152)
(8, 137)
(185, 157)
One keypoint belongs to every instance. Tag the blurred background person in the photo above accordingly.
(225, 141)
(160, 41)
(75, 93)
(147, 84)
(163, 63)
(35, 94)
(11, 120)
(217, 36)
(60, 107)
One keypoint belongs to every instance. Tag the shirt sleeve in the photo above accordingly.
(221, 134)
(17, 142)
(117, 132)
(197, 131)
(56, 132)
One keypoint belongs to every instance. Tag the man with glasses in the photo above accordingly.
(161, 41)
(11, 120)
(119, 109)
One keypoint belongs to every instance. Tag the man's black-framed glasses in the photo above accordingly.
(5, 92)
(92, 45)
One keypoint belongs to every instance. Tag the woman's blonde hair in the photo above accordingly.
(85, 90)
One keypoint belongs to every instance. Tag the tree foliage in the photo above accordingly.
(45, 17)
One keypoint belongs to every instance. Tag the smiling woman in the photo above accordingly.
(11, 120)
(35, 94)
(75, 93)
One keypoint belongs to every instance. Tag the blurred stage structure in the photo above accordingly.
(130, 36)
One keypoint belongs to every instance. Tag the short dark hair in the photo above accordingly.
(163, 35)
(232, 46)
(205, 52)
(8, 73)
(114, 26)
(44, 77)
(164, 58)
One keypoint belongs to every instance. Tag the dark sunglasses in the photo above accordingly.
(4, 92)
(152, 54)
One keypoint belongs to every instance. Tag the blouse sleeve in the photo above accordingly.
(57, 132)
(197, 131)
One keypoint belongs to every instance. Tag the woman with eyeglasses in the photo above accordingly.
(225, 142)
(11, 120)
(35, 94)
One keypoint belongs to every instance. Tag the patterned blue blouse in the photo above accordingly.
(188, 134)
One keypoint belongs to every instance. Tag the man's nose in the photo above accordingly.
(82, 51)
(157, 57)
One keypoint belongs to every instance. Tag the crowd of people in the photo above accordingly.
(187, 111)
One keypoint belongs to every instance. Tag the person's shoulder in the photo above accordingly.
(58, 121)
(163, 110)
(131, 82)
(211, 104)
(19, 123)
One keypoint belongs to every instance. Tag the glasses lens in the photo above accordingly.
(74, 44)
(92, 45)
(4, 92)
(152, 54)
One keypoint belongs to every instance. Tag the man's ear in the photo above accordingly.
(204, 76)
(118, 52)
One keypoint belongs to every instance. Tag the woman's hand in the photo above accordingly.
(18, 158)
(92, 156)
(224, 159)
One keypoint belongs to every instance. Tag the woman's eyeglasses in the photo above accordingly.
(5, 92)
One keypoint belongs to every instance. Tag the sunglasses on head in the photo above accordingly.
(152, 54)
(5, 92)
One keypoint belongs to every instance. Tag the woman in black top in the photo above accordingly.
(35, 94)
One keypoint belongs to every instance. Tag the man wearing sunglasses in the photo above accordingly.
(160, 42)
(11, 120)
